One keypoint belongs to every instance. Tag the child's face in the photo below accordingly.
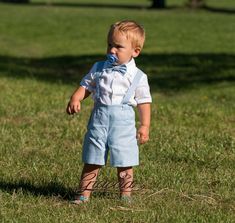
(119, 45)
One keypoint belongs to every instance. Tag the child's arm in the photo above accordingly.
(74, 104)
(144, 114)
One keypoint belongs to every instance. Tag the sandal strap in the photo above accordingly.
(83, 198)
(126, 198)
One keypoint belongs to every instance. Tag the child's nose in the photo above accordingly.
(112, 50)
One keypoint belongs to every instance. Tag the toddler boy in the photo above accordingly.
(117, 85)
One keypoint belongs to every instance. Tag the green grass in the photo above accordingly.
(186, 171)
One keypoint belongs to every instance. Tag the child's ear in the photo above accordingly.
(136, 52)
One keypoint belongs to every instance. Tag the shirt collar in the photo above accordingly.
(131, 66)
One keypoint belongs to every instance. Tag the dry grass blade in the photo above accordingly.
(186, 196)
(209, 200)
(157, 192)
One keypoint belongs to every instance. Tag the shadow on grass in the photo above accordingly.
(89, 5)
(48, 190)
(79, 5)
(219, 10)
(167, 72)
(114, 6)
(52, 189)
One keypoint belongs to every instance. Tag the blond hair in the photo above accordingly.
(132, 30)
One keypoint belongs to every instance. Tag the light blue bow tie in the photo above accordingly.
(119, 68)
(112, 65)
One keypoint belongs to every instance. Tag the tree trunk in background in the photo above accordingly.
(196, 3)
(160, 4)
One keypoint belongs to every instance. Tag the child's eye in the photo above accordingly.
(110, 45)
(119, 46)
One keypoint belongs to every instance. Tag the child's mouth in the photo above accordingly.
(112, 59)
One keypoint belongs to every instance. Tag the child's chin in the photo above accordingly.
(120, 62)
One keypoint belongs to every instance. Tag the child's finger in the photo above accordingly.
(140, 138)
(76, 108)
(144, 139)
(68, 110)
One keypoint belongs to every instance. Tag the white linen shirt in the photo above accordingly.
(114, 85)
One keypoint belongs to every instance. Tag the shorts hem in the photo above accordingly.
(124, 165)
(93, 163)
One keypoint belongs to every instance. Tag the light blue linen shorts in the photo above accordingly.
(111, 129)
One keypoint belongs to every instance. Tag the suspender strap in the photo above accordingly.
(132, 88)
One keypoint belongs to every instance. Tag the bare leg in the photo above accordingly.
(88, 178)
(125, 178)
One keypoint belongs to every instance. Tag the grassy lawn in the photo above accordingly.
(187, 170)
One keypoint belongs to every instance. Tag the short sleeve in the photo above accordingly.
(142, 93)
(88, 81)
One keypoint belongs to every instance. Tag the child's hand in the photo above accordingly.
(143, 134)
(74, 106)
